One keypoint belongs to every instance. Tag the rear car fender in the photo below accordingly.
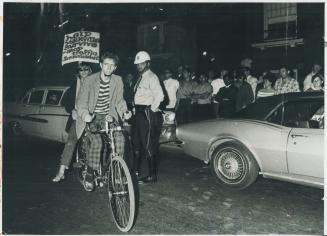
(221, 140)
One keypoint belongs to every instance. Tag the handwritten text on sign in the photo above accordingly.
(81, 46)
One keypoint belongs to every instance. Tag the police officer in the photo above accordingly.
(147, 98)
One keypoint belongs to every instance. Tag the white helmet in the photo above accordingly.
(141, 57)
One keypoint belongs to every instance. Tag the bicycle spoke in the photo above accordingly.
(121, 192)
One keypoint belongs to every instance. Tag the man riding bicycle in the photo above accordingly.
(99, 96)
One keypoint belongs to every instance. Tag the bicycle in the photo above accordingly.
(114, 173)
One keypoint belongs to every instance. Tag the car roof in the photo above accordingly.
(263, 106)
(50, 87)
(295, 96)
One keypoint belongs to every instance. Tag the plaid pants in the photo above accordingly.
(96, 148)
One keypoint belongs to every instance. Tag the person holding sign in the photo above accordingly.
(101, 95)
(69, 101)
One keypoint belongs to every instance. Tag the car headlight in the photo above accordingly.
(169, 117)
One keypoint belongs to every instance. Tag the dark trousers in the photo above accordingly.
(146, 132)
(70, 146)
(202, 112)
(95, 142)
(215, 109)
(184, 111)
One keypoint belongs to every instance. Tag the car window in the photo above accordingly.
(276, 115)
(65, 98)
(260, 109)
(318, 117)
(300, 114)
(53, 97)
(25, 98)
(36, 97)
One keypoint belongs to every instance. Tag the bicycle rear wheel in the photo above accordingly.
(121, 194)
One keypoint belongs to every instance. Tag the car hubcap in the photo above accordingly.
(231, 165)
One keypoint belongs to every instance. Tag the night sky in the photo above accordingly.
(226, 31)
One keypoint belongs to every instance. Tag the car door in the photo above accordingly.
(306, 138)
(54, 114)
(28, 111)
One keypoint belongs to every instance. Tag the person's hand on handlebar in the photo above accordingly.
(127, 115)
(88, 118)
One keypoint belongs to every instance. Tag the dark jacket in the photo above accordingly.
(68, 101)
(244, 96)
(129, 95)
(226, 97)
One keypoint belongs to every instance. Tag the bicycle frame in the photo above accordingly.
(114, 171)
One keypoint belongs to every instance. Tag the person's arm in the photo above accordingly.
(82, 99)
(307, 83)
(178, 98)
(157, 92)
(205, 94)
(276, 86)
(219, 96)
(120, 101)
(296, 86)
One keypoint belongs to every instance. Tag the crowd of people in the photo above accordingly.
(208, 95)
(94, 97)
(143, 98)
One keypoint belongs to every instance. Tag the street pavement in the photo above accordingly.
(185, 200)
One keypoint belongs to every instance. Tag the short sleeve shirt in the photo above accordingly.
(290, 85)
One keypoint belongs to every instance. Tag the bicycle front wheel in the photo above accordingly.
(121, 194)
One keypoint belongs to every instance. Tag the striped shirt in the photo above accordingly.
(103, 102)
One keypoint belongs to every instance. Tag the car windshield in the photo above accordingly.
(259, 109)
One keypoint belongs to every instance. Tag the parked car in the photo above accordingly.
(280, 137)
(41, 113)
(38, 113)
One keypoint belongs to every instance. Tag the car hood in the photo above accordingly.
(219, 124)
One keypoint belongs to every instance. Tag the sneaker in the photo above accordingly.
(148, 179)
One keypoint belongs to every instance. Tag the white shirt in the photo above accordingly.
(253, 81)
(148, 91)
(216, 85)
(171, 86)
(308, 81)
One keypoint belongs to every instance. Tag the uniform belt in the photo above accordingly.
(141, 107)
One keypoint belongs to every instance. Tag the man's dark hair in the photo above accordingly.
(271, 77)
(246, 68)
(109, 55)
(187, 69)
(285, 66)
(317, 76)
(83, 65)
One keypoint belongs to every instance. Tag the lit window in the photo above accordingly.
(280, 20)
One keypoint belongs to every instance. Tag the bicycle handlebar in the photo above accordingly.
(109, 126)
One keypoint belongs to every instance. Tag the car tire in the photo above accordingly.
(234, 166)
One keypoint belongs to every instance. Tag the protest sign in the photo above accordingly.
(81, 46)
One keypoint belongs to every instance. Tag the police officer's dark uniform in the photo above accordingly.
(147, 98)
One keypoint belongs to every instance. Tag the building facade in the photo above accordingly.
(292, 35)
